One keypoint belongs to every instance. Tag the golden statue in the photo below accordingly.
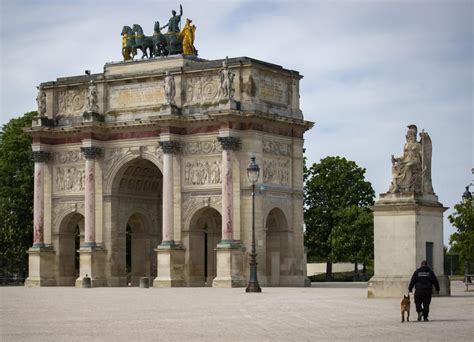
(187, 37)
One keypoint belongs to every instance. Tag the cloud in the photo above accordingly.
(370, 68)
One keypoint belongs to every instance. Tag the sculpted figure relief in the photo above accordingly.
(412, 171)
(170, 88)
(92, 101)
(227, 82)
(41, 101)
(201, 173)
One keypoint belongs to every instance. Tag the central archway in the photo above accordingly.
(202, 238)
(136, 221)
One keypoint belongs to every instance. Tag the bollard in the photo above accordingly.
(144, 284)
(86, 282)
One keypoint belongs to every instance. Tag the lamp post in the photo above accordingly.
(466, 198)
(253, 171)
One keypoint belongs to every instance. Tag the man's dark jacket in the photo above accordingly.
(423, 278)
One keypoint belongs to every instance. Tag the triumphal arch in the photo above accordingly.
(141, 171)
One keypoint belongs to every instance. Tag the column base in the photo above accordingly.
(170, 265)
(229, 265)
(92, 264)
(395, 287)
(40, 266)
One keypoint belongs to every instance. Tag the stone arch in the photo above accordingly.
(120, 165)
(67, 241)
(200, 240)
(191, 205)
(135, 191)
(277, 246)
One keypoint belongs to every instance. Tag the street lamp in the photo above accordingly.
(466, 198)
(253, 171)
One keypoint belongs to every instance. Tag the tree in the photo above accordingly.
(331, 186)
(462, 241)
(353, 237)
(16, 196)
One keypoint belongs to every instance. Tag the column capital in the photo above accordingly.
(229, 143)
(41, 156)
(170, 146)
(91, 152)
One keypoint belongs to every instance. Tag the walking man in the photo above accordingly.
(423, 280)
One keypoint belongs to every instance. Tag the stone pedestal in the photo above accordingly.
(92, 264)
(40, 267)
(408, 228)
(229, 266)
(170, 266)
(169, 109)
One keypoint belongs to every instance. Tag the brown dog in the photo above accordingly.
(405, 306)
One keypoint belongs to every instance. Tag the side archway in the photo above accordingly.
(67, 242)
(200, 240)
(277, 246)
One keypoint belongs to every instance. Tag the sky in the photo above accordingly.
(370, 67)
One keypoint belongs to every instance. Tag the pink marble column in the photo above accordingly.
(169, 148)
(39, 158)
(229, 144)
(90, 153)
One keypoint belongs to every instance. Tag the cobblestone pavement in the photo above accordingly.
(321, 313)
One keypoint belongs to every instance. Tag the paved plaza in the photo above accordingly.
(320, 313)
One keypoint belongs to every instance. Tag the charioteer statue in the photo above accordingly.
(174, 41)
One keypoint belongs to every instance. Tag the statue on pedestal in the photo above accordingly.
(412, 171)
(227, 82)
(41, 101)
(92, 100)
(170, 88)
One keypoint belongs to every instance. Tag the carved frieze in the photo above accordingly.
(202, 147)
(278, 148)
(68, 157)
(69, 178)
(202, 172)
(202, 89)
(276, 171)
(71, 101)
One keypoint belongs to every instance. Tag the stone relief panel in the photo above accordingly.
(202, 172)
(192, 203)
(202, 89)
(68, 171)
(276, 171)
(202, 147)
(70, 178)
(273, 89)
(71, 101)
(136, 95)
(278, 148)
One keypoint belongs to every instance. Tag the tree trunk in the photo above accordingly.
(356, 272)
(329, 276)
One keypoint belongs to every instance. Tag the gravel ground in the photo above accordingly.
(321, 313)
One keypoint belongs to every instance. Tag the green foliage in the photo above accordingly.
(462, 241)
(334, 187)
(353, 235)
(16, 196)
